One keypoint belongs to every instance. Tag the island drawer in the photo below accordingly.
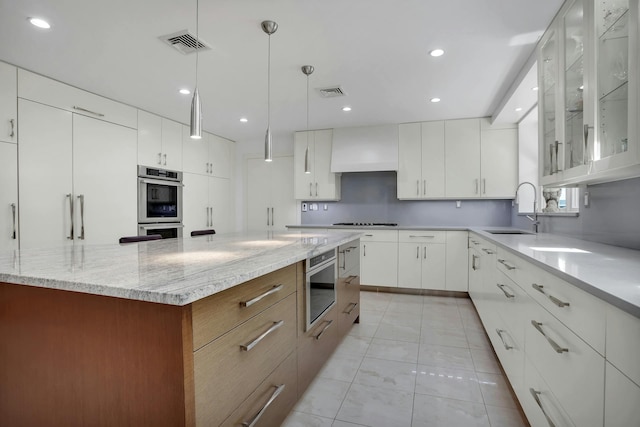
(281, 388)
(422, 236)
(315, 348)
(225, 373)
(221, 312)
(348, 257)
(348, 303)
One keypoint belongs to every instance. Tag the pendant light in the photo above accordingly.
(195, 123)
(268, 27)
(307, 70)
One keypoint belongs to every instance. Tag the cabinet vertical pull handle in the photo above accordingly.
(310, 190)
(69, 196)
(425, 253)
(417, 252)
(353, 307)
(553, 299)
(272, 220)
(476, 185)
(473, 262)
(316, 189)
(84, 110)
(417, 187)
(268, 222)
(553, 344)
(503, 262)
(557, 149)
(13, 128)
(13, 212)
(424, 187)
(344, 260)
(506, 346)
(252, 344)
(506, 294)
(254, 420)
(329, 322)
(165, 159)
(586, 142)
(364, 250)
(535, 395)
(159, 158)
(81, 199)
(484, 186)
(264, 295)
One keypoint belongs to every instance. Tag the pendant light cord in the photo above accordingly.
(197, 38)
(307, 111)
(269, 85)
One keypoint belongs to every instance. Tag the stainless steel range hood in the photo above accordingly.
(365, 149)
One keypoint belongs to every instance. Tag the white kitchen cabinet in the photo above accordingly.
(623, 342)
(105, 204)
(270, 202)
(589, 76)
(621, 399)
(421, 160)
(8, 196)
(159, 142)
(422, 259)
(379, 258)
(8, 96)
(62, 185)
(208, 204)
(320, 183)
(498, 160)
(46, 91)
(462, 158)
(457, 272)
(211, 155)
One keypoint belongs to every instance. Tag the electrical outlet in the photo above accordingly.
(313, 206)
(458, 203)
(586, 199)
(304, 207)
(326, 207)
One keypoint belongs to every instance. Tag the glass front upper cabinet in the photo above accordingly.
(548, 87)
(612, 31)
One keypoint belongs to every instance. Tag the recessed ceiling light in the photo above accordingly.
(519, 109)
(244, 119)
(185, 91)
(436, 52)
(346, 108)
(40, 23)
(435, 100)
(534, 88)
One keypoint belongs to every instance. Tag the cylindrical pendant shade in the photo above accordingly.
(307, 169)
(196, 116)
(267, 146)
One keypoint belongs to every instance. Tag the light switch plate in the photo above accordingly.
(304, 207)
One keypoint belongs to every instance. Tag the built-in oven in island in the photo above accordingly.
(159, 196)
(320, 289)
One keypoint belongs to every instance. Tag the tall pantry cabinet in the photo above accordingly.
(8, 158)
(270, 206)
(77, 165)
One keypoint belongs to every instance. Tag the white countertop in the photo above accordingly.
(171, 271)
(608, 272)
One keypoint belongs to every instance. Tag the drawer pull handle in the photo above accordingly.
(506, 346)
(535, 394)
(84, 110)
(276, 393)
(488, 251)
(369, 235)
(350, 279)
(506, 294)
(428, 237)
(324, 330)
(553, 344)
(259, 297)
(553, 299)
(503, 262)
(352, 247)
(276, 325)
(354, 305)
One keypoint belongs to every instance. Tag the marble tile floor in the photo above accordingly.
(412, 361)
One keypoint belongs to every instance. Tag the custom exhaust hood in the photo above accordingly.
(365, 149)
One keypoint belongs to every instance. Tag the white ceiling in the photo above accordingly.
(375, 49)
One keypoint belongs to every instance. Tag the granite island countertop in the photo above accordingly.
(172, 271)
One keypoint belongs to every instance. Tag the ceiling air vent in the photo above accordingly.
(331, 92)
(185, 42)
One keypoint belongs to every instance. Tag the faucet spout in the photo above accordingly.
(534, 219)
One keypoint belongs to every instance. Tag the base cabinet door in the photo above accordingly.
(9, 196)
(621, 399)
(409, 265)
(540, 405)
(433, 267)
(457, 274)
(379, 263)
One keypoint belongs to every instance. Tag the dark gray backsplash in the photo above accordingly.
(372, 197)
(612, 217)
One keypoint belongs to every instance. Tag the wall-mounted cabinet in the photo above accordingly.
(211, 155)
(159, 142)
(269, 187)
(320, 183)
(208, 204)
(8, 107)
(588, 79)
(421, 160)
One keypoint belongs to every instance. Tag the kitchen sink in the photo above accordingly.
(507, 231)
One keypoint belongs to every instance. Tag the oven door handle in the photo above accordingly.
(161, 182)
(160, 226)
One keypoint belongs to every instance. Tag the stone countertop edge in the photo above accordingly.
(182, 291)
(608, 272)
(383, 227)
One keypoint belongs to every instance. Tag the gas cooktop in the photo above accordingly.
(365, 224)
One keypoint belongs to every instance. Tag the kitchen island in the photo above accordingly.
(158, 333)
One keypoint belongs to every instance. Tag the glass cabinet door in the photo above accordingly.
(612, 27)
(574, 81)
(548, 67)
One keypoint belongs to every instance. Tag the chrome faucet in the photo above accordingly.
(534, 219)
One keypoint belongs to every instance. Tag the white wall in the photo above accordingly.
(528, 160)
